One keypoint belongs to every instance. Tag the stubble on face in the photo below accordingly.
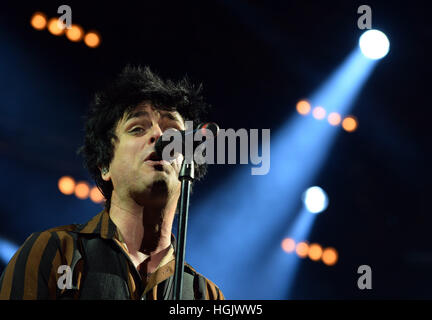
(147, 185)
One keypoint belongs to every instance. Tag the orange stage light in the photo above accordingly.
(82, 190)
(75, 33)
(54, 28)
(303, 107)
(334, 118)
(95, 195)
(38, 21)
(330, 256)
(315, 252)
(66, 185)
(302, 249)
(350, 124)
(319, 113)
(288, 245)
(92, 39)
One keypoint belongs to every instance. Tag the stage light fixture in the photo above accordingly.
(82, 190)
(349, 124)
(95, 195)
(38, 21)
(374, 44)
(319, 113)
(315, 199)
(315, 252)
(92, 39)
(302, 249)
(66, 185)
(75, 33)
(303, 107)
(334, 118)
(54, 27)
(330, 256)
(288, 245)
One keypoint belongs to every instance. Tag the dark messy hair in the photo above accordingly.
(134, 85)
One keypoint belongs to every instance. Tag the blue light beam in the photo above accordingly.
(235, 233)
(7, 250)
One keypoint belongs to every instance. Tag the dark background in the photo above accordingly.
(256, 59)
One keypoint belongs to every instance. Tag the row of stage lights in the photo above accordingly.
(349, 123)
(314, 251)
(81, 189)
(76, 33)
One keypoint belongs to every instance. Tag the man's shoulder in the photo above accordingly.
(60, 234)
(62, 231)
(73, 228)
(211, 286)
(191, 270)
(65, 228)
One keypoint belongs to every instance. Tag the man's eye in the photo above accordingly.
(137, 130)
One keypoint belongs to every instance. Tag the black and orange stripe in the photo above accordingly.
(32, 271)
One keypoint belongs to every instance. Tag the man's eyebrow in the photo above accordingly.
(141, 113)
(137, 115)
(170, 116)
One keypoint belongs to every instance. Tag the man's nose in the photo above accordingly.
(155, 133)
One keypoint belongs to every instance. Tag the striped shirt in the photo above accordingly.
(106, 273)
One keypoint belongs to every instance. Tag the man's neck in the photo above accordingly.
(144, 229)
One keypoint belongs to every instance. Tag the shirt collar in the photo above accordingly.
(101, 224)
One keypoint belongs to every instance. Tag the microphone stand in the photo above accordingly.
(186, 176)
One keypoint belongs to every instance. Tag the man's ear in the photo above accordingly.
(105, 173)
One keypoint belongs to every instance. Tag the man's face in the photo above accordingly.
(132, 171)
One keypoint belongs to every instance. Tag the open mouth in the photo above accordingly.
(155, 161)
(153, 157)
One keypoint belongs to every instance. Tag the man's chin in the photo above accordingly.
(158, 182)
(156, 191)
(159, 186)
(157, 177)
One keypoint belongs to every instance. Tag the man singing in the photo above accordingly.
(127, 251)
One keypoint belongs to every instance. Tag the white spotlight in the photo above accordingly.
(315, 200)
(374, 44)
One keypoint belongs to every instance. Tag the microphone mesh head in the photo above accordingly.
(159, 145)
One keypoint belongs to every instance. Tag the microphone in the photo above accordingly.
(186, 138)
